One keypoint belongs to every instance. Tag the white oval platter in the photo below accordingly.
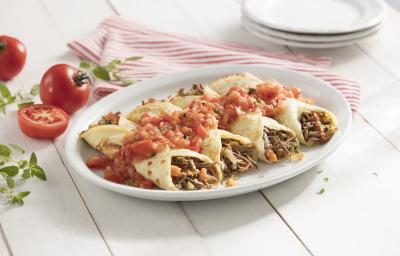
(77, 151)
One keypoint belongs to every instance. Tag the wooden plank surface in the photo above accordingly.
(383, 106)
(54, 220)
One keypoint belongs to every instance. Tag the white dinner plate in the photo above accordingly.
(313, 45)
(311, 37)
(315, 16)
(77, 151)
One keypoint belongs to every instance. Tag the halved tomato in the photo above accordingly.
(42, 121)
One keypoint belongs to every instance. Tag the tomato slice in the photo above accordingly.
(42, 121)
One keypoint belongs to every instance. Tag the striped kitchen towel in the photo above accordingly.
(166, 53)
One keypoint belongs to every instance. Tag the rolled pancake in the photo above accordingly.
(257, 129)
(250, 126)
(184, 101)
(155, 108)
(322, 123)
(107, 139)
(158, 167)
(245, 80)
(212, 145)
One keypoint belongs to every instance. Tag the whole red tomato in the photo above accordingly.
(66, 87)
(12, 57)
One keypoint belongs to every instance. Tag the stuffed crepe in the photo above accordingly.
(235, 154)
(180, 169)
(313, 125)
(273, 141)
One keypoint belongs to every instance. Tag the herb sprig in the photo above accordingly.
(111, 71)
(21, 98)
(13, 170)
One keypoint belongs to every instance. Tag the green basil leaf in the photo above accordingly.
(32, 160)
(101, 73)
(10, 99)
(16, 147)
(34, 90)
(24, 104)
(26, 174)
(10, 170)
(2, 163)
(85, 64)
(38, 172)
(9, 180)
(17, 200)
(5, 151)
(4, 91)
(112, 66)
(23, 194)
(134, 58)
(22, 163)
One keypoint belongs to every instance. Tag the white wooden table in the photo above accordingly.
(359, 214)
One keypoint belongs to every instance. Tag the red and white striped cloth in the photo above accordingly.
(166, 53)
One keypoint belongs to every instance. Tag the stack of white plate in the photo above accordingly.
(313, 23)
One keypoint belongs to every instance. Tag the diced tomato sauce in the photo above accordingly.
(118, 170)
(184, 129)
(229, 107)
(113, 176)
(273, 95)
(98, 162)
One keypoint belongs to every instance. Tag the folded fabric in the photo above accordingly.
(165, 53)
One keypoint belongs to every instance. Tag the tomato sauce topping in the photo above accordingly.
(185, 129)
(236, 102)
(273, 95)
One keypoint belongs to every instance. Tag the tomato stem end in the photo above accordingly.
(81, 78)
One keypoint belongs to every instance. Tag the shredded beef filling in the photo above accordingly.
(279, 144)
(196, 90)
(237, 158)
(194, 174)
(316, 127)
